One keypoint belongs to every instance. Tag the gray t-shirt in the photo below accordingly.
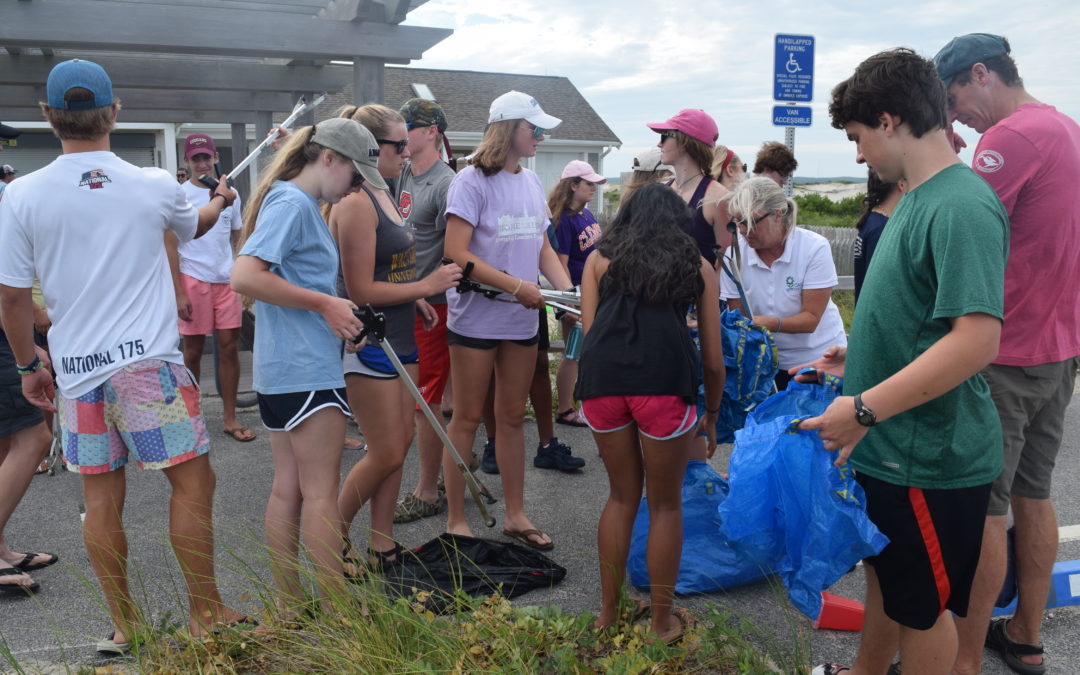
(422, 203)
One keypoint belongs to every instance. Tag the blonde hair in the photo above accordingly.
(376, 117)
(761, 194)
(723, 157)
(81, 125)
(297, 153)
(490, 156)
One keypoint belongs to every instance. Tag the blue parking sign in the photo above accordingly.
(793, 76)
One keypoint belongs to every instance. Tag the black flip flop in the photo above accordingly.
(16, 588)
(570, 414)
(25, 565)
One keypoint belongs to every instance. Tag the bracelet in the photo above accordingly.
(223, 198)
(517, 288)
(30, 369)
(712, 412)
(779, 324)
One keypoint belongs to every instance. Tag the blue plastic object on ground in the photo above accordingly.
(708, 563)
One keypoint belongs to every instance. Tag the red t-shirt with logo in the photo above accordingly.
(1032, 160)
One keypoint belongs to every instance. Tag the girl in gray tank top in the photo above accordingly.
(378, 268)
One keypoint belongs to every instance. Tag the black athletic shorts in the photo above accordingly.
(543, 342)
(453, 338)
(934, 542)
(284, 412)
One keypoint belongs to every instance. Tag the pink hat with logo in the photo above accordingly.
(198, 144)
(692, 122)
(583, 170)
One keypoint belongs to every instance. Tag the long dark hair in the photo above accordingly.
(877, 191)
(652, 258)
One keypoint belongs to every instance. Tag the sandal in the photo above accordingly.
(16, 588)
(351, 566)
(686, 622)
(379, 560)
(570, 418)
(27, 564)
(526, 537)
(998, 640)
(240, 434)
(642, 609)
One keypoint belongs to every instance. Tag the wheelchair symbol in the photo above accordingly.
(792, 65)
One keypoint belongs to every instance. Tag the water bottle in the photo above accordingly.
(573, 342)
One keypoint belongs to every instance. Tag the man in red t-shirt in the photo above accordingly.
(1030, 154)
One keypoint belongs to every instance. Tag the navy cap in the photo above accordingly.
(68, 75)
(965, 51)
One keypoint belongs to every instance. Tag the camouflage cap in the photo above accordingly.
(424, 113)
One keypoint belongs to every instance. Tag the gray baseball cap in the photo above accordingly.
(965, 51)
(353, 140)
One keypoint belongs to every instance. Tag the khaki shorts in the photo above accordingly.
(1031, 402)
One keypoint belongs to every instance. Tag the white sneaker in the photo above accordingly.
(829, 669)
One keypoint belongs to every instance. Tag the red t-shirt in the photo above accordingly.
(1032, 160)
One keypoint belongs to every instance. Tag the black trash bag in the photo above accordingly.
(479, 567)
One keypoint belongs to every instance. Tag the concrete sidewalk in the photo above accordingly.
(61, 623)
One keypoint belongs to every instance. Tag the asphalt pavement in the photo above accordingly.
(56, 628)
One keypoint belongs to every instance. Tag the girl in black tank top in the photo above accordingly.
(635, 290)
(378, 267)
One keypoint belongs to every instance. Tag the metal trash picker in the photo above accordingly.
(375, 326)
(557, 299)
(302, 107)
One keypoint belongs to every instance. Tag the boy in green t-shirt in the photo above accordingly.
(921, 430)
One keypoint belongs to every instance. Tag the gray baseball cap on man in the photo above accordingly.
(353, 140)
(965, 51)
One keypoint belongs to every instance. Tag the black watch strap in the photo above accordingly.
(863, 415)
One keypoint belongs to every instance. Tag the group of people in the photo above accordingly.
(966, 397)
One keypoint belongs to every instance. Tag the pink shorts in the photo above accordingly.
(213, 306)
(659, 417)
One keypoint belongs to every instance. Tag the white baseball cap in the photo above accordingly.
(649, 160)
(514, 105)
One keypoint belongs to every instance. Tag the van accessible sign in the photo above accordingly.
(791, 115)
(793, 76)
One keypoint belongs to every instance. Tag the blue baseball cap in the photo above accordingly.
(68, 75)
(965, 51)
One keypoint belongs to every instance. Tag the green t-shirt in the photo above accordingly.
(942, 256)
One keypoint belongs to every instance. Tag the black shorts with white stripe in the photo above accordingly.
(284, 412)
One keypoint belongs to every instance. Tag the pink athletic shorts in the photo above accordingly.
(659, 417)
(213, 306)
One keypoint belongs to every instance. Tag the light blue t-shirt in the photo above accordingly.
(295, 350)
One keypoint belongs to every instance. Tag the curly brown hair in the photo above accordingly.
(775, 156)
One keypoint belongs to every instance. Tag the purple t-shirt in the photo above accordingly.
(577, 235)
(509, 214)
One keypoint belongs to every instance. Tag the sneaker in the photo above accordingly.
(829, 669)
(489, 464)
(556, 455)
(413, 508)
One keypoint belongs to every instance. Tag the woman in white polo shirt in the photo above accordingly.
(788, 275)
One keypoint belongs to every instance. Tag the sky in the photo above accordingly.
(638, 62)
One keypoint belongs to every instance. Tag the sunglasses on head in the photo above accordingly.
(399, 146)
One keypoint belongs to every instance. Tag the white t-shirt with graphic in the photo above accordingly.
(210, 257)
(91, 226)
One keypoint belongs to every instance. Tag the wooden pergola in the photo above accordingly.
(211, 61)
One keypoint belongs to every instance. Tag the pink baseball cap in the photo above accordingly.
(583, 170)
(198, 144)
(692, 122)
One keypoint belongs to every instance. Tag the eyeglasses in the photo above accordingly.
(744, 168)
(742, 222)
(399, 146)
(664, 135)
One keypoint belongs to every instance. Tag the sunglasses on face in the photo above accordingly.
(399, 146)
(415, 125)
(536, 132)
(666, 135)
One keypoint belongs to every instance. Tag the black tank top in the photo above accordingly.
(634, 348)
(699, 228)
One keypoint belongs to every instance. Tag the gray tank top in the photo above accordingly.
(395, 262)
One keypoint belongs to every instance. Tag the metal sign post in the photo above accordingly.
(793, 82)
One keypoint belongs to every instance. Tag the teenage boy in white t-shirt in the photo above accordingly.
(204, 301)
(91, 227)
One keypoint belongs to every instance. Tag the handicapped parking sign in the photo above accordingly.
(793, 75)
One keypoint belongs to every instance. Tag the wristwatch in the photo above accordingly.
(863, 415)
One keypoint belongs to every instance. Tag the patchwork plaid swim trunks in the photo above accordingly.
(148, 410)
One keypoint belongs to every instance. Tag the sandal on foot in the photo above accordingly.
(413, 508)
(642, 609)
(686, 622)
(998, 640)
(379, 560)
(111, 647)
(240, 434)
(27, 563)
(570, 418)
(353, 444)
(28, 589)
(352, 567)
(526, 537)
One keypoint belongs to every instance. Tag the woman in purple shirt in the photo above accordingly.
(576, 234)
(496, 217)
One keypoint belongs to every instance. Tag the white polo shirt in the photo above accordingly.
(806, 264)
